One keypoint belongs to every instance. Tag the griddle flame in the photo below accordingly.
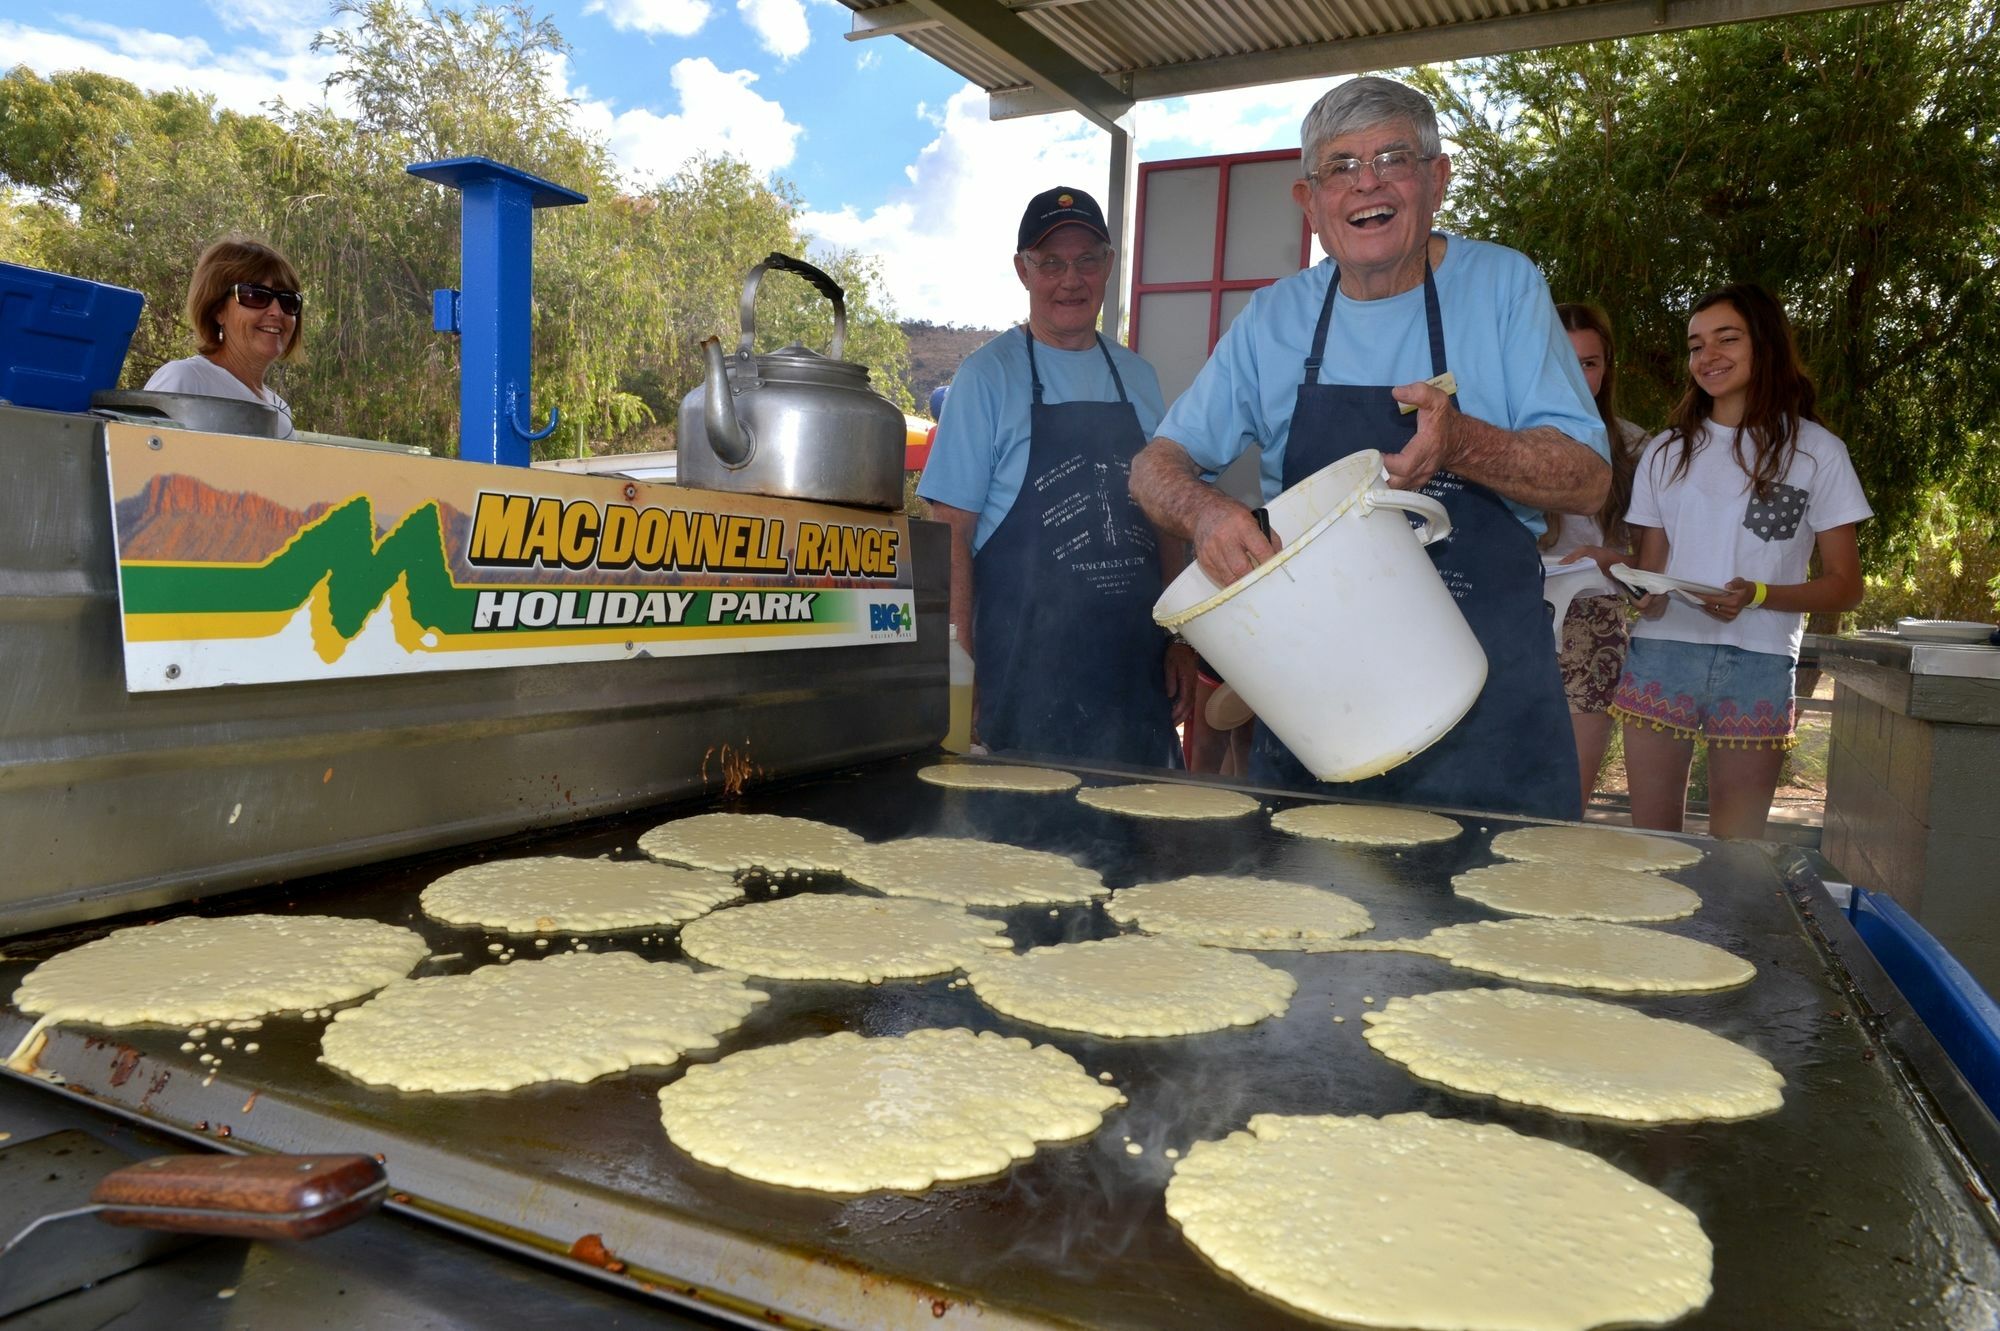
(733, 765)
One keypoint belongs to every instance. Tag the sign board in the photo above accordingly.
(255, 561)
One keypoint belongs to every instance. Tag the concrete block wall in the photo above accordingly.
(1913, 809)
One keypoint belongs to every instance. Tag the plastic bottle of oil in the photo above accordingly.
(959, 738)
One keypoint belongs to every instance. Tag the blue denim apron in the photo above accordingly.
(1067, 659)
(1513, 752)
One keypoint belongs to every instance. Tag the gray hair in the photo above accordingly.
(1362, 104)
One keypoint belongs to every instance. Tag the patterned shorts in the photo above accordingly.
(1594, 637)
(1726, 695)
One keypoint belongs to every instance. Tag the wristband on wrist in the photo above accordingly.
(1762, 592)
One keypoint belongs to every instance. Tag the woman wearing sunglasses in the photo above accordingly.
(244, 305)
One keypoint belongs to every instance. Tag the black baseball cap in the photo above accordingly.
(1061, 206)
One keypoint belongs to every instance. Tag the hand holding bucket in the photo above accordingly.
(1358, 659)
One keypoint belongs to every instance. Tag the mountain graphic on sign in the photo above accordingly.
(335, 565)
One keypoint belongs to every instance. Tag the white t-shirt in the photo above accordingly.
(979, 461)
(204, 378)
(1718, 529)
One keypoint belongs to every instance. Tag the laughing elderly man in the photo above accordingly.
(1319, 365)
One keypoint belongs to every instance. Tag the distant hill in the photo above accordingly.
(935, 353)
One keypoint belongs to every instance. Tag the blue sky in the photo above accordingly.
(892, 154)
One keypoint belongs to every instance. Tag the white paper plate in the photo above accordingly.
(1552, 569)
(1641, 580)
(1226, 709)
(1944, 630)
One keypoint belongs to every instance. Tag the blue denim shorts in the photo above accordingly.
(1726, 695)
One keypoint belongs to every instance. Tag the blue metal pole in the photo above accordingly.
(497, 228)
(492, 313)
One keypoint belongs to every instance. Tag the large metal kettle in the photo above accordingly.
(791, 423)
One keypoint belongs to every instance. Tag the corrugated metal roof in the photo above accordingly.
(1133, 50)
(1098, 57)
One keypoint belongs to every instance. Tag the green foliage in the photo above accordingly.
(1949, 568)
(442, 82)
(1846, 160)
(13, 239)
(128, 187)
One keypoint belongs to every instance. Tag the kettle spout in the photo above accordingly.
(727, 435)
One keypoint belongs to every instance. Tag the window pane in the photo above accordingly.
(1180, 224)
(1173, 335)
(1264, 222)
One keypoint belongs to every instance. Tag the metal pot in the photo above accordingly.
(791, 423)
(193, 411)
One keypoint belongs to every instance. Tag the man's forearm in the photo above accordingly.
(1169, 488)
(1541, 468)
(963, 523)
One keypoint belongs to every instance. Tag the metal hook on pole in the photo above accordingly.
(521, 424)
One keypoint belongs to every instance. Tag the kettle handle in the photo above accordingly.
(785, 263)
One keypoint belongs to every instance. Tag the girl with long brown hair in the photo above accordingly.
(1735, 497)
(1595, 629)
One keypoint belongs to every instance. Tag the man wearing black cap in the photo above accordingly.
(1054, 567)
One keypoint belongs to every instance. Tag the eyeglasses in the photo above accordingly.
(256, 296)
(1086, 265)
(1343, 173)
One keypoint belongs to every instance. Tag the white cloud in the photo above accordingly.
(290, 19)
(868, 58)
(140, 44)
(720, 114)
(780, 25)
(1241, 120)
(244, 79)
(656, 18)
(946, 242)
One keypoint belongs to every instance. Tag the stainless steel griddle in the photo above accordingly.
(1865, 1201)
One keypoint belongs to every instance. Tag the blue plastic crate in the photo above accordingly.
(1943, 993)
(61, 338)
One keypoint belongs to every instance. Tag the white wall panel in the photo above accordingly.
(1179, 244)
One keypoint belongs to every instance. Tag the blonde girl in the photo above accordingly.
(1595, 630)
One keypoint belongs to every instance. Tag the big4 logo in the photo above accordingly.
(889, 617)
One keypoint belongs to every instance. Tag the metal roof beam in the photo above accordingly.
(1598, 21)
(1060, 80)
(901, 17)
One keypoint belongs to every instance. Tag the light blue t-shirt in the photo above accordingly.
(980, 457)
(1514, 364)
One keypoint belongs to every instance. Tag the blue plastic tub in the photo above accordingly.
(1941, 991)
(61, 338)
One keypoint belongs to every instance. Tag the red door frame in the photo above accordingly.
(1216, 284)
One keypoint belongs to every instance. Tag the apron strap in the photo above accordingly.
(1318, 351)
(1433, 317)
(1433, 322)
(1035, 378)
(1117, 380)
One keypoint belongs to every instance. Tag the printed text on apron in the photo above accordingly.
(1067, 659)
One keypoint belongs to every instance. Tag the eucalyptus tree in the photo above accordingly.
(128, 186)
(1849, 161)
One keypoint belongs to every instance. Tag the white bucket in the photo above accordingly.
(1346, 642)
